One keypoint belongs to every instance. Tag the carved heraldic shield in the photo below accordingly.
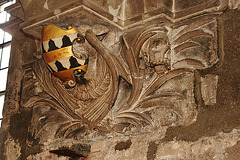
(58, 54)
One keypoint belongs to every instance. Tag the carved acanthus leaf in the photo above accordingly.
(45, 80)
(194, 46)
(150, 63)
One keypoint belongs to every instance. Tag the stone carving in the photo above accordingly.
(155, 53)
(61, 58)
(150, 96)
(234, 4)
(195, 45)
(139, 80)
(82, 106)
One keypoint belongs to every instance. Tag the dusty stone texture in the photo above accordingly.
(22, 45)
(158, 109)
(209, 89)
(13, 150)
(152, 149)
(148, 146)
(213, 147)
(122, 14)
(39, 7)
(224, 115)
(112, 146)
(233, 152)
(234, 4)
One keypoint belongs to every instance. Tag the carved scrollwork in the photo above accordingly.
(149, 76)
(167, 56)
(142, 79)
(155, 53)
(88, 102)
(195, 45)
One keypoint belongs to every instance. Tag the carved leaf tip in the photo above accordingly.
(134, 116)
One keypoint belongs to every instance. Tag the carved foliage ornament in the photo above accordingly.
(144, 81)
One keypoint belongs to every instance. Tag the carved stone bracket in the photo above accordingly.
(138, 77)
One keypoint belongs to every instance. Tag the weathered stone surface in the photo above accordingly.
(234, 4)
(153, 69)
(233, 152)
(141, 147)
(205, 148)
(13, 150)
(122, 14)
(209, 89)
(35, 8)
